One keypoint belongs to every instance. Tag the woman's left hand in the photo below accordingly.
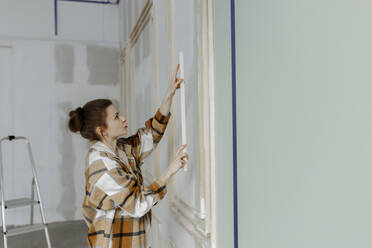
(175, 82)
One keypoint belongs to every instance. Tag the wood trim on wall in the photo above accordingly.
(171, 54)
(127, 58)
(141, 22)
(206, 124)
(206, 214)
(212, 122)
(148, 15)
(155, 75)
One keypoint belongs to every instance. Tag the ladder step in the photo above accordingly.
(19, 202)
(24, 229)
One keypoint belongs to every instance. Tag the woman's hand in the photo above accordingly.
(179, 161)
(175, 82)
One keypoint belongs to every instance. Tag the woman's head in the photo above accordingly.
(98, 120)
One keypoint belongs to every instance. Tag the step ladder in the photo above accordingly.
(22, 201)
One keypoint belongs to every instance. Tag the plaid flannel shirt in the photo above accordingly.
(117, 205)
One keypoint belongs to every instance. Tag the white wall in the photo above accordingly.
(48, 77)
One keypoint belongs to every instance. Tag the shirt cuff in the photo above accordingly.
(158, 187)
(163, 119)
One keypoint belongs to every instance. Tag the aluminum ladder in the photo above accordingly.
(22, 201)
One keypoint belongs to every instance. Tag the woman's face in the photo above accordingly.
(116, 124)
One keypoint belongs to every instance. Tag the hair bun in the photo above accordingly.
(86, 119)
(79, 111)
(76, 119)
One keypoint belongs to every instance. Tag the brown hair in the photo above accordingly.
(86, 119)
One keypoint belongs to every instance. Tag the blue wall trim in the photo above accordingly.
(80, 1)
(235, 162)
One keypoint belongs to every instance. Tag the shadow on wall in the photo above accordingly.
(66, 205)
(65, 61)
(103, 65)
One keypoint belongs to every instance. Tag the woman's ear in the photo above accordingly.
(99, 132)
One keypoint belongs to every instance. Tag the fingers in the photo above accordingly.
(179, 83)
(183, 159)
(183, 162)
(176, 71)
(180, 149)
(185, 156)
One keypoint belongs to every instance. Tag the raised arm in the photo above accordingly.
(147, 138)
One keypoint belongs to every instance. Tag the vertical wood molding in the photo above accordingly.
(123, 82)
(212, 222)
(131, 91)
(155, 75)
(122, 85)
(201, 115)
(171, 51)
(207, 120)
(127, 87)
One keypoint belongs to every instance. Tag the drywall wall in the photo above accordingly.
(42, 78)
(36, 105)
(75, 21)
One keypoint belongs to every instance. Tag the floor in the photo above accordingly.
(68, 234)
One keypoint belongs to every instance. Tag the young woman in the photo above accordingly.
(117, 205)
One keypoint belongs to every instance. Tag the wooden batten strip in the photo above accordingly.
(201, 114)
(155, 75)
(141, 22)
(195, 222)
(213, 216)
(123, 55)
(172, 129)
(192, 232)
(191, 209)
(172, 243)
